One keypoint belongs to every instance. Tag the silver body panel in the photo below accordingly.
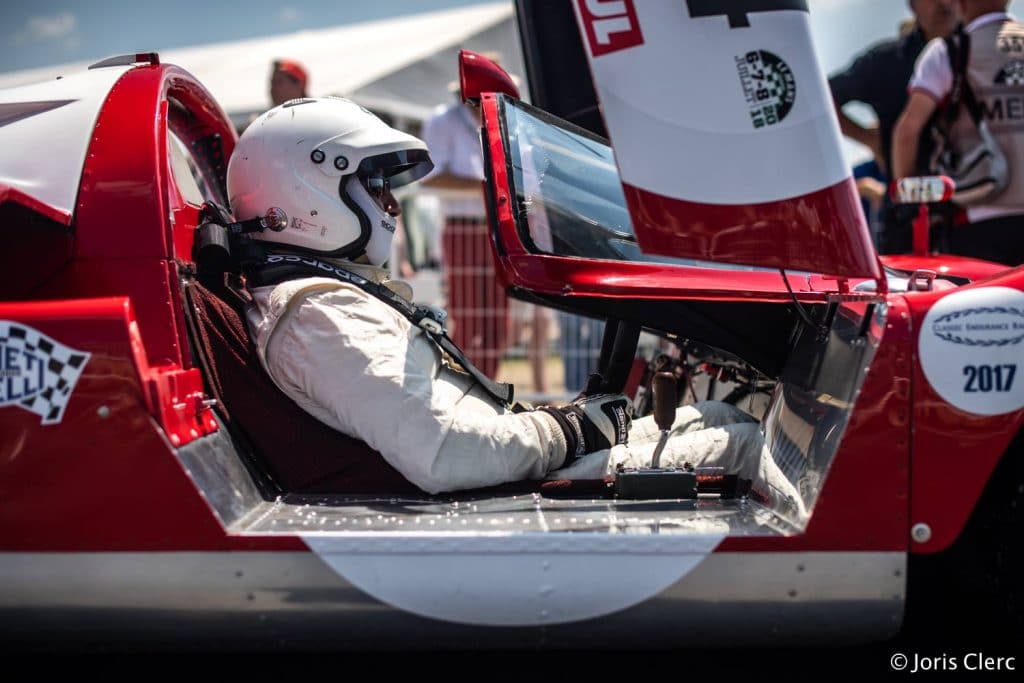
(296, 600)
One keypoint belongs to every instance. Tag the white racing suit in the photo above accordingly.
(358, 365)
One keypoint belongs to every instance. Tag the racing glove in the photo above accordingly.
(592, 423)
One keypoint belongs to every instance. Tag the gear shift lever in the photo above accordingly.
(655, 481)
(664, 387)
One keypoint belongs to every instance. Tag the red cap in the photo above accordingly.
(293, 69)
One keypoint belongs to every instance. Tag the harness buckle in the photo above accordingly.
(432, 319)
(430, 325)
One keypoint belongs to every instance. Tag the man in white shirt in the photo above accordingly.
(452, 133)
(476, 303)
(994, 42)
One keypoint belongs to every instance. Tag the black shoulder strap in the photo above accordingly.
(958, 46)
(274, 268)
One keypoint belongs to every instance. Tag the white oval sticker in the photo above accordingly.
(972, 348)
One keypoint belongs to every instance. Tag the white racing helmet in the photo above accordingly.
(314, 159)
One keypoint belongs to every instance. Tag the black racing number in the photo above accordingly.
(986, 378)
(738, 9)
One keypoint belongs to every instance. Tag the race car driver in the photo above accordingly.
(342, 340)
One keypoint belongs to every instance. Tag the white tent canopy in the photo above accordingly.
(400, 66)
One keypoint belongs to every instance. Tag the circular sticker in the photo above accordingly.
(972, 348)
(768, 86)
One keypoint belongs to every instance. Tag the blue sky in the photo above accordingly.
(45, 32)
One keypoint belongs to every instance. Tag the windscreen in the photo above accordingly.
(570, 199)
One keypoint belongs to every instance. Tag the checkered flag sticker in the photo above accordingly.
(1012, 74)
(37, 373)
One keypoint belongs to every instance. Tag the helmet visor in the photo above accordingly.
(398, 168)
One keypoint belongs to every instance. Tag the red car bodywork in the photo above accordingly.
(108, 479)
(115, 294)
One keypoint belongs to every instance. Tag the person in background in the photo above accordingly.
(878, 78)
(871, 187)
(579, 345)
(995, 62)
(477, 304)
(289, 80)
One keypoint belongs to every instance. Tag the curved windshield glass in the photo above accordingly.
(570, 199)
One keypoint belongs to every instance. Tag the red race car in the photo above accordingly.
(139, 498)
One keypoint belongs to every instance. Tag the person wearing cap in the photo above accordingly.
(288, 81)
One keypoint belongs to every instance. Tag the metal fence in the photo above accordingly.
(547, 354)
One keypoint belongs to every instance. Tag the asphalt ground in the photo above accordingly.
(938, 640)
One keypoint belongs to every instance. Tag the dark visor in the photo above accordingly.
(401, 168)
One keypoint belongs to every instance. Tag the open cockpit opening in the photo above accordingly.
(282, 470)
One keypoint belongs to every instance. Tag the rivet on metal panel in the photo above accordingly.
(920, 532)
(103, 412)
(175, 439)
